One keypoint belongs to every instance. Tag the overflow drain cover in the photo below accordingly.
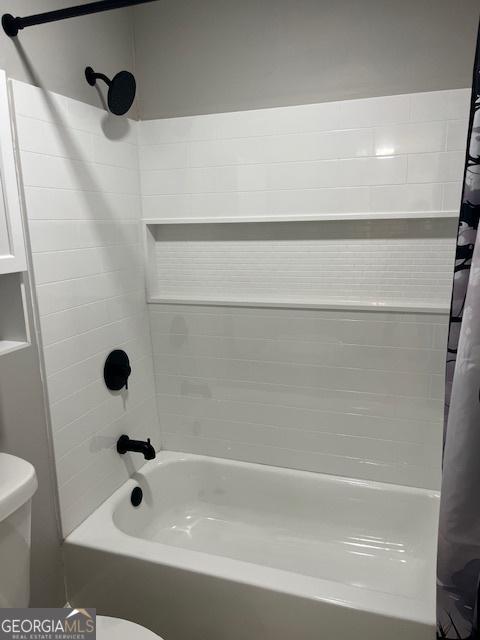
(136, 497)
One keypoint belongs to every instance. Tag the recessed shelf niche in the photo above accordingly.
(14, 330)
(391, 263)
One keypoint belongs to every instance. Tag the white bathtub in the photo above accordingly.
(224, 550)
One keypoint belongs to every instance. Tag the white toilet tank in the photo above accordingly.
(18, 483)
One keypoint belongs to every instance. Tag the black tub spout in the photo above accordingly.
(124, 444)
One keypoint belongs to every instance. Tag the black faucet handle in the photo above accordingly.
(117, 370)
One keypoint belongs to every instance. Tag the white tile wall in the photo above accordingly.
(350, 393)
(80, 173)
(354, 393)
(380, 154)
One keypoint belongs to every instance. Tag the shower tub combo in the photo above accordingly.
(220, 549)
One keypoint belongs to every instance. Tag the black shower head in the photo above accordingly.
(121, 93)
(121, 89)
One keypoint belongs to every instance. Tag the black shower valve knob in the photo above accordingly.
(117, 370)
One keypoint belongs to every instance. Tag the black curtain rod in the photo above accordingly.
(12, 25)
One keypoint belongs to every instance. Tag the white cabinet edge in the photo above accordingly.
(16, 260)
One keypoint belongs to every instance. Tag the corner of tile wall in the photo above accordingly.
(80, 173)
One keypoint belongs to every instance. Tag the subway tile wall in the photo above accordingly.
(80, 175)
(352, 393)
(349, 392)
(395, 153)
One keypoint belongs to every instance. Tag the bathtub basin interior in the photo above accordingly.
(363, 534)
(270, 546)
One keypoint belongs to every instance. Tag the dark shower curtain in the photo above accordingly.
(458, 568)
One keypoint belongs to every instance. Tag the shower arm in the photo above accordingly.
(93, 76)
(12, 25)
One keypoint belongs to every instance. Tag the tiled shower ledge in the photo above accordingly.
(386, 215)
(404, 307)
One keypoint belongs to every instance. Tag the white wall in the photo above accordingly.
(82, 198)
(54, 56)
(225, 55)
(24, 432)
(344, 391)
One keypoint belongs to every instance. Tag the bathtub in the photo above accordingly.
(223, 550)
